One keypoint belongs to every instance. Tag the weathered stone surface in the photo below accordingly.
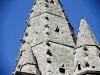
(60, 62)
(38, 32)
(30, 69)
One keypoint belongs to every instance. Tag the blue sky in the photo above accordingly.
(13, 16)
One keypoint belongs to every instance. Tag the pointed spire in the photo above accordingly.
(47, 6)
(85, 35)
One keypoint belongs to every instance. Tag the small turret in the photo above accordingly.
(26, 63)
(87, 59)
(85, 35)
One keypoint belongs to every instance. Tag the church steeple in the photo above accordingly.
(87, 57)
(50, 47)
(51, 39)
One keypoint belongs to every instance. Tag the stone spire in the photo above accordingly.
(87, 57)
(85, 35)
(51, 37)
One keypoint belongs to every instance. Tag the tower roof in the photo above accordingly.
(85, 35)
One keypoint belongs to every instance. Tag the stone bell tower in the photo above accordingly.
(48, 43)
(50, 47)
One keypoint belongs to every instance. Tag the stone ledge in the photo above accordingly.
(23, 73)
(90, 72)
